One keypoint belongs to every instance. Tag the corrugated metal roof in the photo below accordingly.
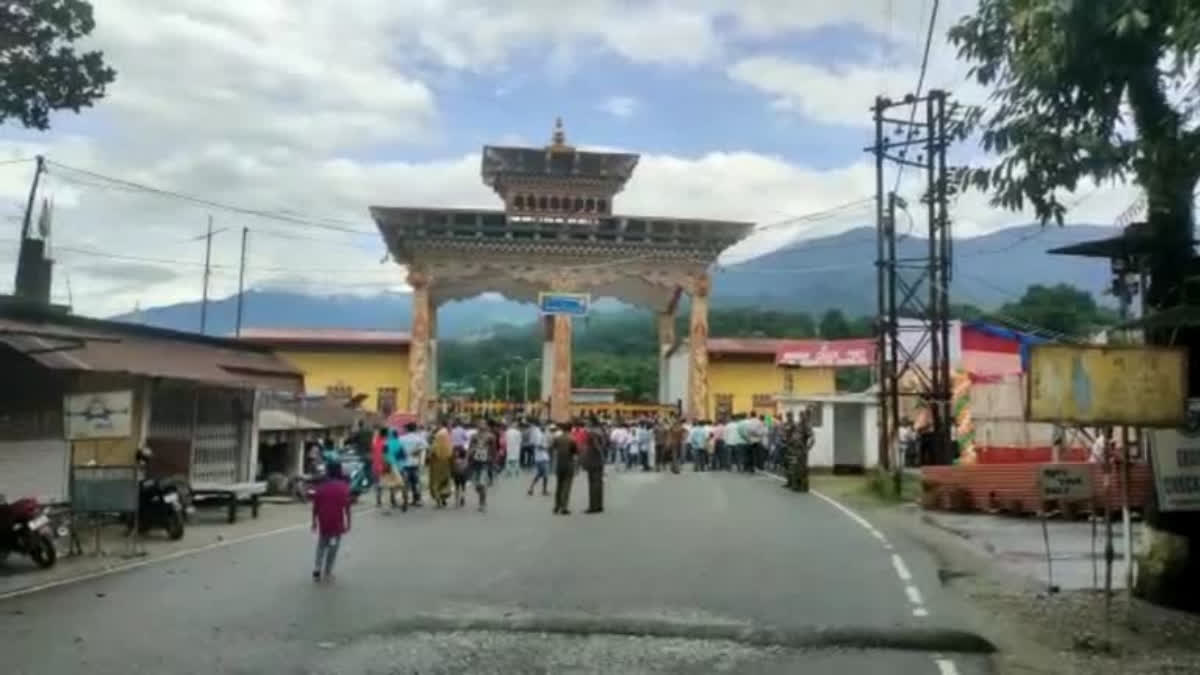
(67, 342)
(325, 336)
(271, 419)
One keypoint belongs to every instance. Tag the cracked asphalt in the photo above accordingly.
(690, 573)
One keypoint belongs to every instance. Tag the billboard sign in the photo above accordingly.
(1097, 385)
(570, 304)
(827, 354)
(105, 414)
(1175, 460)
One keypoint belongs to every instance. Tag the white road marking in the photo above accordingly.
(851, 514)
(946, 667)
(901, 568)
(135, 564)
(920, 612)
(914, 595)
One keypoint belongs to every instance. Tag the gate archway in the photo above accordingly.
(556, 233)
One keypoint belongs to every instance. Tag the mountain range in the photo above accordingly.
(837, 271)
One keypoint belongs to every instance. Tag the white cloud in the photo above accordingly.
(273, 105)
(622, 107)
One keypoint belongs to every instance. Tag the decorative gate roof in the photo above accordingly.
(556, 230)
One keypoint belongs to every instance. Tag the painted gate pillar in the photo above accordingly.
(419, 366)
(697, 403)
(560, 389)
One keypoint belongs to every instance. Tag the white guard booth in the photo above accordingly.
(845, 429)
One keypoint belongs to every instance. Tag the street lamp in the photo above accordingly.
(491, 385)
(525, 375)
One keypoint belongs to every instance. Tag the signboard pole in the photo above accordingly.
(1095, 567)
(1108, 543)
(1046, 538)
(1126, 519)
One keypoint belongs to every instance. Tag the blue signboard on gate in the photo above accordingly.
(570, 304)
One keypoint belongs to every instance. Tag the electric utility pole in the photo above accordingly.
(237, 331)
(26, 222)
(207, 260)
(914, 285)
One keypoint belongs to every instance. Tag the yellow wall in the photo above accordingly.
(745, 376)
(363, 369)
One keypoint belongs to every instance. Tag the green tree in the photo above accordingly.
(1061, 308)
(1101, 89)
(1066, 78)
(40, 69)
(834, 325)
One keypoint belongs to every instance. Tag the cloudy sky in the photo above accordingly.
(310, 110)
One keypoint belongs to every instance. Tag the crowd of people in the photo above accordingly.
(442, 459)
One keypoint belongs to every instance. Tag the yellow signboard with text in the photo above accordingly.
(1100, 385)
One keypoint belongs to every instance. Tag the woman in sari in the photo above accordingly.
(440, 459)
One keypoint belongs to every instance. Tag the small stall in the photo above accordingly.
(845, 429)
(191, 399)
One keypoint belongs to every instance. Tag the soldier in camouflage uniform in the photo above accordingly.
(797, 440)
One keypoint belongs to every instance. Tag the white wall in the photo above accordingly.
(910, 336)
(821, 455)
(871, 435)
(677, 372)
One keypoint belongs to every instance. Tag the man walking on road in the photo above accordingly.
(483, 453)
(593, 463)
(330, 519)
(565, 450)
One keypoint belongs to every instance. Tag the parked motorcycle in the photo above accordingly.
(159, 504)
(356, 471)
(25, 528)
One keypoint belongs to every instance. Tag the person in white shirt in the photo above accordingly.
(618, 440)
(756, 432)
(541, 459)
(733, 441)
(512, 449)
(1099, 453)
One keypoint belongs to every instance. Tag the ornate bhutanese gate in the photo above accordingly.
(556, 233)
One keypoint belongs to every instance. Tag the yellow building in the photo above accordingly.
(345, 363)
(743, 376)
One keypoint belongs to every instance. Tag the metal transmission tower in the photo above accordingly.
(913, 324)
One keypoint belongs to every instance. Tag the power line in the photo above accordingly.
(912, 115)
(120, 183)
(19, 160)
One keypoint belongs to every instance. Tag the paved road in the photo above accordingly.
(690, 573)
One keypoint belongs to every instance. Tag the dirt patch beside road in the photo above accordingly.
(1038, 632)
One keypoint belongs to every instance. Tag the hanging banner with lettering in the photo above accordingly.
(826, 353)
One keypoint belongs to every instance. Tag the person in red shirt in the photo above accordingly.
(377, 464)
(331, 519)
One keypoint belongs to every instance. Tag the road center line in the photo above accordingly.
(901, 568)
(914, 595)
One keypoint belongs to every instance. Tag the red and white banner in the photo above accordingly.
(827, 353)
